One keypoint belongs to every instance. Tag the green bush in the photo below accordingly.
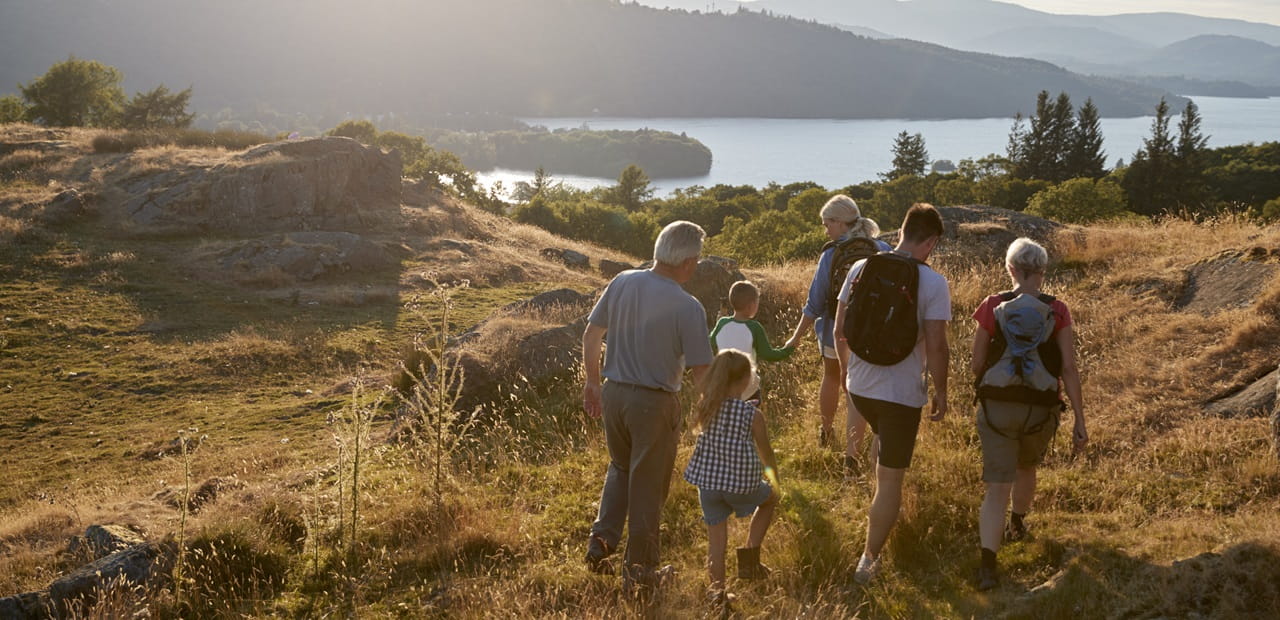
(1271, 211)
(12, 110)
(360, 130)
(76, 93)
(1079, 201)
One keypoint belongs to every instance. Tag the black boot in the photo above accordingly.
(749, 566)
(597, 551)
(987, 571)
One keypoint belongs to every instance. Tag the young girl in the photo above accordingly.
(726, 467)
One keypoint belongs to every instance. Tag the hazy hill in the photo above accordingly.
(956, 23)
(1117, 45)
(1215, 57)
(529, 58)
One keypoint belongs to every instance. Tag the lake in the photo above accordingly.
(836, 153)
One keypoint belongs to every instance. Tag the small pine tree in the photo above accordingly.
(1086, 158)
(632, 191)
(910, 157)
(1042, 151)
(1189, 159)
(1150, 180)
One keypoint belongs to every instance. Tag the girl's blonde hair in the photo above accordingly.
(727, 370)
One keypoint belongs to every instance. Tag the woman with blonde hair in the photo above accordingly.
(852, 237)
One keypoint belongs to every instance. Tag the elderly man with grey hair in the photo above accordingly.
(655, 330)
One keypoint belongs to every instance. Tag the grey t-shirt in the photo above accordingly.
(654, 329)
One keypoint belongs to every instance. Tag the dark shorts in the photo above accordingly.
(896, 426)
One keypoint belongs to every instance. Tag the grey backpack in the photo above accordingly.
(1021, 373)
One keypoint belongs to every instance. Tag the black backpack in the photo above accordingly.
(1050, 355)
(881, 323)
(847, 252)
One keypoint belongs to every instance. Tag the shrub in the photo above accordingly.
(12, 110)
(1271, 211)
(76, 92)
(361, 130)
(1079, 201)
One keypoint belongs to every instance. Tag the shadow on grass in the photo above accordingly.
(1096, 581)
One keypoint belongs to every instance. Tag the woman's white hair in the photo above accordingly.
(1026, 256)
(678, 242)
(842, 208)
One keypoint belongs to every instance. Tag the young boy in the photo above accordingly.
(742, 332)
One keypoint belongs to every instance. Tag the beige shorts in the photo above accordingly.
(1014, 436)
(828, 352)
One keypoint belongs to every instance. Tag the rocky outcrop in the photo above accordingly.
(103, 540)
(1229, 280)
(28, 605)
(610, 268)
(134, 565)
(983, 232)
(710, 284)
(550, 299)
(67, 207)
(329, 183)
(203, 494)
(118, 557)
(305, 256)
(570, 258)
(1256, 400)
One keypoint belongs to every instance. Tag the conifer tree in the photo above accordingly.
(1151, 178)
(1086, 157)
(1189, 158)
(910, 157)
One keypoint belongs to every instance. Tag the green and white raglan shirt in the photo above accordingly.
(747, 336)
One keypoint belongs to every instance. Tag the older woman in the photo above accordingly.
(844, 223)
(1023, 354)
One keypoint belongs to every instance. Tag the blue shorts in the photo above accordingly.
(718, 505)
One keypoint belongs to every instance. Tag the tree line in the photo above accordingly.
(1054, 166)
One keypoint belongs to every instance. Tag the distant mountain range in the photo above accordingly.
(1151, 44)
(531, 58)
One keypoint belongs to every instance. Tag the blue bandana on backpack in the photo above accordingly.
(1026, 323)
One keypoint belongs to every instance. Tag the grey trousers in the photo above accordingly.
(641, 429)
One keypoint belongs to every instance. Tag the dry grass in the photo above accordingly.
(140, 354)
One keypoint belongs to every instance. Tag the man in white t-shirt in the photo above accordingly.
(891, 398)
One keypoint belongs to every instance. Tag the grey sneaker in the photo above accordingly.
(867, 570)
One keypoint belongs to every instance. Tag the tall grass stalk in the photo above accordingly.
(437, 381)
(184, 508)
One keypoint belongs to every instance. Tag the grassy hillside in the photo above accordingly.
(110, 346)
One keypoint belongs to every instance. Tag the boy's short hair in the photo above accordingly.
(922, 221)
(742, 294)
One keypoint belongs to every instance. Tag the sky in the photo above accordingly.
(1266, 11)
